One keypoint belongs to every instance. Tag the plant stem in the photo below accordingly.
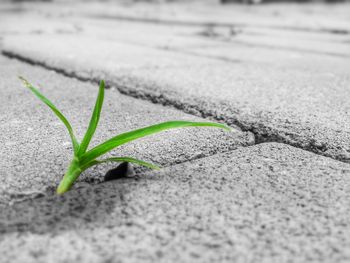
(70, 176)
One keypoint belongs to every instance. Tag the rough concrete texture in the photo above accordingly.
(309, 17)
(272, 47)
(265, 203)
(266, 38)
(36, 147)
(305, 108)
(280, 71)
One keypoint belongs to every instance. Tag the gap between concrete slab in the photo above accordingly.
(293, 49)
(261, 135)
(220, 24)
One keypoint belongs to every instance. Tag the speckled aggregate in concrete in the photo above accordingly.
(284, 79)
(265, 203)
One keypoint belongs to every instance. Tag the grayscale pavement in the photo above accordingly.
(276, 190)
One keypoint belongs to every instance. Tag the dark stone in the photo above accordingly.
(121, 171)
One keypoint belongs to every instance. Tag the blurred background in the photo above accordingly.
(164, 1)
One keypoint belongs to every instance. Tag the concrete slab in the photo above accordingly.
(321, 43)
(265, 203)
(308, 109)
(32, 23)
(235, 52)
(309, 17)
(276, 47)
(279, 48)
(36, 147)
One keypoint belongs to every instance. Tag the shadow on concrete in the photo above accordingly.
(73, 210)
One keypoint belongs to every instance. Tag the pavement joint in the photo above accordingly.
(277, 190)
(336, 31)
(243, 44)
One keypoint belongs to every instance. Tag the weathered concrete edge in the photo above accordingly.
(82, 192)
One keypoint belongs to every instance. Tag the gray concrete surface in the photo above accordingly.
(285, 81)
(313, 17)
(304, 108)
(278, 70)
(265, 203)
(35, 145)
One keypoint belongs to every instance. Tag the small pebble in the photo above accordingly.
(121, 171)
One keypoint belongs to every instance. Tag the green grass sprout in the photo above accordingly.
(84, 158)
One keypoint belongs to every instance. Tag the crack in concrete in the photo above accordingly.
(33, 62)
(262, 133)
(293, 49)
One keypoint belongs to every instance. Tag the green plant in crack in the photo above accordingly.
(84, 158)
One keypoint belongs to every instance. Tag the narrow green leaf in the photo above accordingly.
(55, 110)
(136, 134)
(121, 159)
(95, 117)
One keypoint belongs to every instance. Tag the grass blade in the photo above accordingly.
(95, 117)
(136, 134)
(55, 110)
(122, 159)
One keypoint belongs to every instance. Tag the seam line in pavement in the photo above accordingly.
(335, 31)
(260, 135)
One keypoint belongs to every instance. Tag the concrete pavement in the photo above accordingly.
(303, 107)
(278, 191)
(265, 203)
(42, 145)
